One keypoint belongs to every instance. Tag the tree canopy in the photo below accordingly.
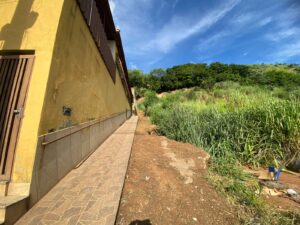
(206, 75)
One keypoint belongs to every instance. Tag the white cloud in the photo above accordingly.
(285, 25)
(222, 39)
(175, 4)
(133, 17)
(181, 28)
(132, 66)
(288, 17)
(148, 36)
(112, 5)
(279, 35)
(213, 40)
(287, 51)
(285, 35)
(265, 21)
(245, 18)
(251, 19)
(278, 29)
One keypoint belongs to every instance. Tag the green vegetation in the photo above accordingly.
(257, 124)
(251, 124)
(205, 76)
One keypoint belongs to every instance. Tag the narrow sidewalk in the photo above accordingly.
(91, 193)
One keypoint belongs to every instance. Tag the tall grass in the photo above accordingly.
(254, 135)
(249, 124)
(236, 125)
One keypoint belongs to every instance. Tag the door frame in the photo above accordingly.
(16, 122)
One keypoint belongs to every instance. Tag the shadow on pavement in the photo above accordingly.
(140, 222)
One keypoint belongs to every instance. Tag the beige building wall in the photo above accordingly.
(68, 71)
(30, 25)
(79, 78)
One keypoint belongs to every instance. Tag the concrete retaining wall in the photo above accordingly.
(61, 151)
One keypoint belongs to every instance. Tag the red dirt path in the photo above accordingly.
(166, 185)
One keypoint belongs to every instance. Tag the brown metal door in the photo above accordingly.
(15, 73)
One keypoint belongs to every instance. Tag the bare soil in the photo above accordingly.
(166, 184)
(283, 202)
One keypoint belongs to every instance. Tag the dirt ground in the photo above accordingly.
(283, 201)
(166, 185)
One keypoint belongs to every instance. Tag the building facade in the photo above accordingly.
(64, 90)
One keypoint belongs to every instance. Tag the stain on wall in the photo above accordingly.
(68, 71)
(30, 25)
(78, 77)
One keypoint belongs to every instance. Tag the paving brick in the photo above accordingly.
(91, 193)
(52, 216)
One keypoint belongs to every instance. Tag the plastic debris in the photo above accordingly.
(274, 185)
(271, 192)
(264, 175)
(292, 193)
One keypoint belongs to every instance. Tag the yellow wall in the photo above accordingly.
(30, 24)
(68, 70)
(79, 78)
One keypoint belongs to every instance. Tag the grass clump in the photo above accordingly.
(254, 135)
(150, 99)
(237, 125)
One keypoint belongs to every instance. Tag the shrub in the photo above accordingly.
(236, 125)
(150, 99)
(140, 92)
(253, 132)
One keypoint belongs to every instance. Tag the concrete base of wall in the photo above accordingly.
(59, 152)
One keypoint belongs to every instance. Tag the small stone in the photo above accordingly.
(147, 178)
(195, 219)
(292, 193)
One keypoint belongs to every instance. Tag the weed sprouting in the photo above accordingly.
(237, 125)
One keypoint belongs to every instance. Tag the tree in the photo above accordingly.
(227, 77)
(205, 76)
(217, 67)
(152, 83)
(168, 83)
(136, 78)
(242, 70)
(157, 73)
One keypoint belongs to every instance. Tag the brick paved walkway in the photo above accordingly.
(91, 193)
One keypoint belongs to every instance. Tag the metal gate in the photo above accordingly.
(15, 73)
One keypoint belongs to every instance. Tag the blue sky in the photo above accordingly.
(164, 33)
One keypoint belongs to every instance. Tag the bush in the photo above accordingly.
(140, 92)
(236, 125)
(255, 131)
(206, 76)
(150, 99)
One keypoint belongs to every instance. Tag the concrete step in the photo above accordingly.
(3, 188)
(18, 189)
(12, 208)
